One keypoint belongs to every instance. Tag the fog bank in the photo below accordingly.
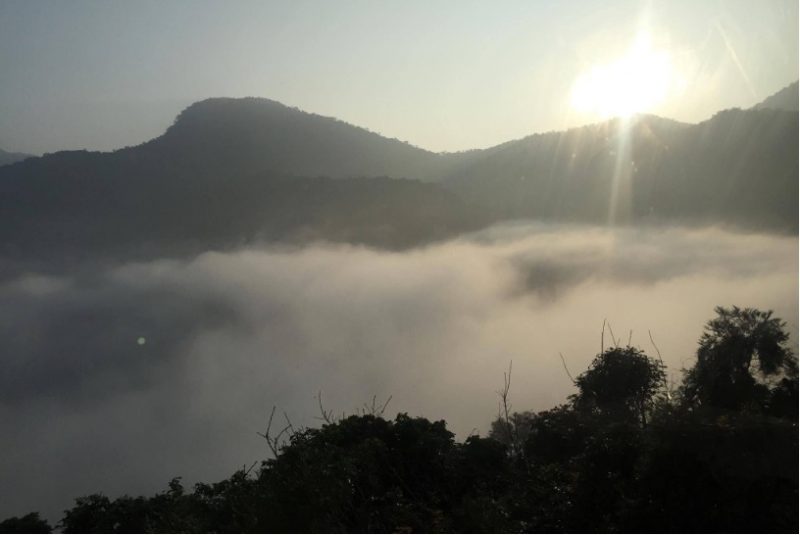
(117, 379)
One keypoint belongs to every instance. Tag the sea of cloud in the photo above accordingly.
(116, 379)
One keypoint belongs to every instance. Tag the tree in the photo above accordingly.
(360, 474)
(741, 351)
(621, 381)
(30, 523)
(613, 460)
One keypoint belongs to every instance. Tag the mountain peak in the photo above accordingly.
(258, 134)
(230, 105)
(242, 113)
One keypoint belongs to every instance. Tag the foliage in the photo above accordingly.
(516, 429)
(739, 352)
(735, 474)
(621, 381)
(591, 465)
(30, 523)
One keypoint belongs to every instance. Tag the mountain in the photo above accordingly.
(230, 172)
(739, 168)
(785, 99)
(53, 224)
(11, 157)
(255, 135)
(227, 172)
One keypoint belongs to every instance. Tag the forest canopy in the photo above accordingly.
(625, 453)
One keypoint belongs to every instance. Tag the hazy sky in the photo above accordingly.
(441, 75)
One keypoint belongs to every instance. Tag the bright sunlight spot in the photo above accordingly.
(634, 83)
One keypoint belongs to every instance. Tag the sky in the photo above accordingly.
(445, 76)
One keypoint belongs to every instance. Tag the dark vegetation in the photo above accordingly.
(626, 453)
(230, 172)
(170, 219)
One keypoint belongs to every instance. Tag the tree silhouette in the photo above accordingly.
(740, 352)
(620, 382)
(30, 523)
(612, 460)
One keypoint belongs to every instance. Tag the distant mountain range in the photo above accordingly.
(737, 168)
(12, 157)
(234, 171)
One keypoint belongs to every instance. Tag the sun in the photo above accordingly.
(634, 83)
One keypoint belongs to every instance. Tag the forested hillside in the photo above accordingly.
(738, 168)
(234, 171)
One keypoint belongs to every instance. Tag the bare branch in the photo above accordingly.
(326, 415)
(504, 411)
(602, 337)
(655, 346)
(383, 409)
(288, 421)
(248, 470)
(564, 363)
(271, 415)
(272, 442)
(658, 352)
(613, 338)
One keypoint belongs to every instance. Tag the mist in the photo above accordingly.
(116, 379)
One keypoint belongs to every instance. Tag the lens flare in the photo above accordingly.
(634, 83)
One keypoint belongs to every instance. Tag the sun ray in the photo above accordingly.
(735, 59)
(620, 197)
(636, 82)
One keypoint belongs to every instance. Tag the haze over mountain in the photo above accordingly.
(234, 171)
(785, 99)
(11, 157)
(738, 168)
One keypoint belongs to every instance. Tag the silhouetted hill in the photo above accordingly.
(228, 172)
(785, 99)
(740, 167)
(11, 157)
(254, 135)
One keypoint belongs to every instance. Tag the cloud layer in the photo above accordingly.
(117, 379)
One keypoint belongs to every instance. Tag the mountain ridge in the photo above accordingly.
(233, 171)
(7, 158)
(194, 113)
(784, 99)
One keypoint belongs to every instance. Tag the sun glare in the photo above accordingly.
(633, 83)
